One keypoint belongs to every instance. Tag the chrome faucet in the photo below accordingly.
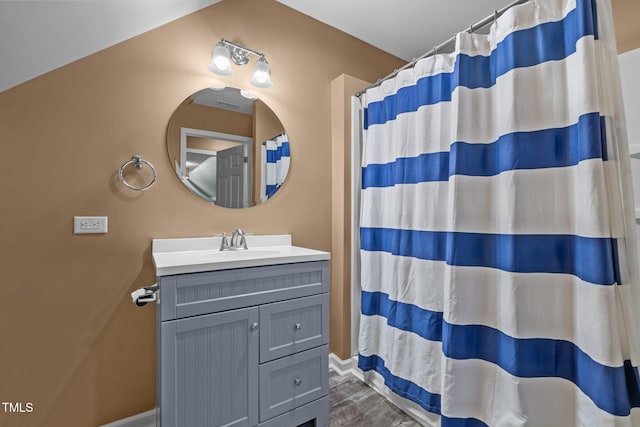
(238, 240)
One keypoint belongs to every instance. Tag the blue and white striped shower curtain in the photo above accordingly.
(275, 165)
(498, 261)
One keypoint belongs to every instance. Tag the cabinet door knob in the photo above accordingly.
(254, 326)
(297, 326)
(297, 381)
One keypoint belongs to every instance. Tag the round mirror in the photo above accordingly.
(228, 147)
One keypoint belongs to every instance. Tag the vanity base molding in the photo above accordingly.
(315, 413)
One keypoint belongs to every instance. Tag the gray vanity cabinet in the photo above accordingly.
(244, 347)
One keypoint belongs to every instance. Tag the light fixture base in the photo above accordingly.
(239, 56)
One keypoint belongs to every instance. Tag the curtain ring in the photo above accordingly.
(138, 162)
(435, 50)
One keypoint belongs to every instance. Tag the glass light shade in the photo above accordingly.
(261, 74)
(221, 62)
(248, 94)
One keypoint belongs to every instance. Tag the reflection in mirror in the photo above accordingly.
(228, 147)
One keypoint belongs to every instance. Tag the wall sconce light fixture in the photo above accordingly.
(225, 52)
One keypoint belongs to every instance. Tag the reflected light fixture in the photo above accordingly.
(247, 94)
(226, 52)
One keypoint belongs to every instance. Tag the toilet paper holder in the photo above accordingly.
(146, 294)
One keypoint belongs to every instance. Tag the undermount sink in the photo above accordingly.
(190, 255)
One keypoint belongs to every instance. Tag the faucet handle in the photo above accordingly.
(224, 242)
(243, 241)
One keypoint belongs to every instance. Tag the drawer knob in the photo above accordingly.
(297, 381)
(297, 326)
(254, 326)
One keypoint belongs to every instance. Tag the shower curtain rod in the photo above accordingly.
(471, 29)
(273, 137)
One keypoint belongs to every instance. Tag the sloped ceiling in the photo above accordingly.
(39, 36)
(404, 28)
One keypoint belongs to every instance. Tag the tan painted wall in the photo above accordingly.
(625, 16)
(209, 144)
(73, 344)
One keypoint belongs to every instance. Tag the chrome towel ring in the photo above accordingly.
(138, 162)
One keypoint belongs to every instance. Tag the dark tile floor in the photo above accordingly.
(354, 404)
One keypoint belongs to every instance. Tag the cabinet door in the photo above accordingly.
(209, 370)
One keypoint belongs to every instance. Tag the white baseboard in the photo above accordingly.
(144, 419)
(415, 411)
(339, 366)
(376, 382)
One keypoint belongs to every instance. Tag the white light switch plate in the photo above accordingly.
(89, 224)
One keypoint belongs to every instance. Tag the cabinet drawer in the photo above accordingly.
(187, 295)
(292, 326)
(292, 381)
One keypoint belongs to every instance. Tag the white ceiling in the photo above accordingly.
(404, 28)
(39, 36)
(227, 98)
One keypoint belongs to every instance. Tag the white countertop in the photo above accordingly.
(191, 255)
